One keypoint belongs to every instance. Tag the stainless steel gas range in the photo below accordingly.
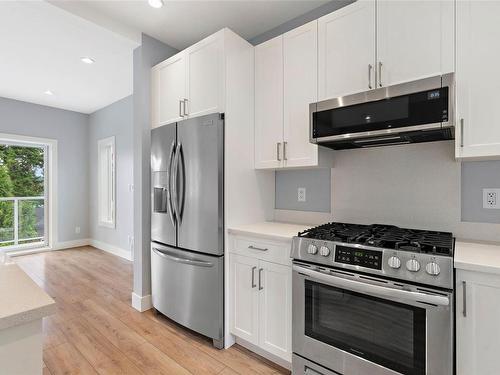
(372, 300)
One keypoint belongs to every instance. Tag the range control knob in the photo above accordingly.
(312, 249)
(413, 265)
(325, 251)
(433, 269)
(394, 262)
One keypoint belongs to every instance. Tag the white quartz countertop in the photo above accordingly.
(477, 256)
(270, 230)
(21, 300)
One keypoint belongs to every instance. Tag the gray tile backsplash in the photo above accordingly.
(317, 185)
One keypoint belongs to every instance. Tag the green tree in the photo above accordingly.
(21, 175)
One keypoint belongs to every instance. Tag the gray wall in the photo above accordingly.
(70, 130)
(114, 120)
(150, 53)
(317, 185)
(477, 176)
(300, 20)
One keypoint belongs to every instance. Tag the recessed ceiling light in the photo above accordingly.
(87, 60)
(156, 3)
(48, 92)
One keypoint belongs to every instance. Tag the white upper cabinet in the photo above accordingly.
(168, 82)
(477, 79)
(269, 104)
(414, 40)
(346, 50)
(300, 53)
(190, 83)
(205, 76)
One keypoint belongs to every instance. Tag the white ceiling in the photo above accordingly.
(42, 41)
(181, 23)
(41, 46)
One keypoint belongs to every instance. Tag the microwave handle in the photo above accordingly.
(375, 290)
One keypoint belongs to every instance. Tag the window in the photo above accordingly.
(106, 182)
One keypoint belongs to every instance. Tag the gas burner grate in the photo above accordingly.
(384, 236)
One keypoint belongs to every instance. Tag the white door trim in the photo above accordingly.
(51, 176)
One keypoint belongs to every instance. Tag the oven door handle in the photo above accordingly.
(374, 290)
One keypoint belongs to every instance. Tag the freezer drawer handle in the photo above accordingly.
(252, 247)
(191, 262)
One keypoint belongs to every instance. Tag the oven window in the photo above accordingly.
(387, 333)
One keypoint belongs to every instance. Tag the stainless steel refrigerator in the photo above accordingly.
(187, 223)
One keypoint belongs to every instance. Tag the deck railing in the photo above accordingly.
(22, 220)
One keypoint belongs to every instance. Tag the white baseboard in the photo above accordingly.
(71, 244)
(141, 303)
(115, 250)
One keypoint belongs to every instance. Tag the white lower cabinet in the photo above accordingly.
(478, 323)
(261, 294)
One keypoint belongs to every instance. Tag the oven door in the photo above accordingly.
(353, 324)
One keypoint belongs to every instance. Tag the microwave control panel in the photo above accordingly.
(358, 257)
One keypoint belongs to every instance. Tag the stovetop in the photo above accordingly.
(384, 236)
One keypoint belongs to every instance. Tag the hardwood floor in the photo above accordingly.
(96, 331)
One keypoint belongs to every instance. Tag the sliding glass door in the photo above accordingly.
(23, 196)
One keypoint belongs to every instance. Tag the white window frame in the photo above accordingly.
(106, 182)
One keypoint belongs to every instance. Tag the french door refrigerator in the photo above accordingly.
(187, 223)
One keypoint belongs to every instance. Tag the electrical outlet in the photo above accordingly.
(77, 230)
(301, 194)
(491, 198)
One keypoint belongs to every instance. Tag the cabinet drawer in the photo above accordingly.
(273, 251)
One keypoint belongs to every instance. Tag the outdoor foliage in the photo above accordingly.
(21, 175)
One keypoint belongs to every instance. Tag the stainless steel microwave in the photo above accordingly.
(412, 112)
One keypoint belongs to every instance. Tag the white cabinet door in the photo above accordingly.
(245, 314)
(300, 53)
(478, 324)
(275, 305)
(269, 104)
(414, 39)
(346, 50)
(205, 76)
(168, 80)
(478, 79)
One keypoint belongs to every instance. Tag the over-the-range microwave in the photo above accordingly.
(412, 112)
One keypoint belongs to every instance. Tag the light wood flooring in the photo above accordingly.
(96, 331)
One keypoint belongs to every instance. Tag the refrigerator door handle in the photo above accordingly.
(175, 172)
(182, 174)
(179, 259)
(169, 187)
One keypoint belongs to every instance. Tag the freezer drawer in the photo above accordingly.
(188, 288)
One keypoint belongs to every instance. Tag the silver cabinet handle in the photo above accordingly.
(278, 147)
(260, 278)
(380, 73)
(464, 294)
(180, 108)
(185, 101)
(178, 259)
(258, 248)
(253, 277)
(461, 132)
(284, 150)
(370, 68)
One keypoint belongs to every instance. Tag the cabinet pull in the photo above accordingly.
(284, 150)
(180, 108)
(461, 132)
(253, 277)
(464, 294)
(370, 67)
(380, 73)
(260, 278)
(185, 101)
(257, 248)
(278, 146)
